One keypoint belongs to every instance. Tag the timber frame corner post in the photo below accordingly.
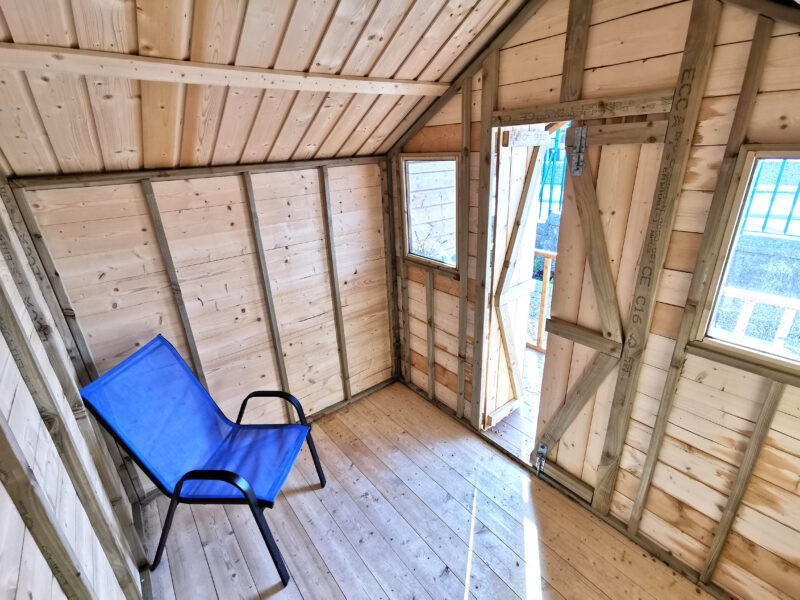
(486, 192)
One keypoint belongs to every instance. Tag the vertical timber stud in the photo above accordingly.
(334, 280)
(485, 176)
(431, 333)
(578, 19)
(399, 192)
(683, 117)
(391, 264)
(739, 486)
(463, 242)
(706, 257)
(169, 267)
(277, 347)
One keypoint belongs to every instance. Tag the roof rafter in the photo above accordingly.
(28, 57)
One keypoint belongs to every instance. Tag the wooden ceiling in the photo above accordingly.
(64, 114)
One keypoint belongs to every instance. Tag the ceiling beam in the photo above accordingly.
(27, 57)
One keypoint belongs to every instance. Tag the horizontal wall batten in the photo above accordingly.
(601, 108)
(27, 57)
(50, 182)
(651, 131)
(583, 336)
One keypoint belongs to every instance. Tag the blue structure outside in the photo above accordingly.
(551, 192)
(774, 207)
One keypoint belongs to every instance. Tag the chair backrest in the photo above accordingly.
(154, 405)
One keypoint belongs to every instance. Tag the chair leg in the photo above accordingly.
(173, 504)
(258, 513)
(315, 456)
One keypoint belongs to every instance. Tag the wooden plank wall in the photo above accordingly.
(443, 134)
(634, 48)
(102, 240)
(716, 406)
(25, 572)
(105, 249)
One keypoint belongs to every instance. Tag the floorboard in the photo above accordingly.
(416, 506)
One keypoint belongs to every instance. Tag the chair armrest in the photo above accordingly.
(230, 477)
(273, 394)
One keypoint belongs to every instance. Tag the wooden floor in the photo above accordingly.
(517, 432)
(416, 506)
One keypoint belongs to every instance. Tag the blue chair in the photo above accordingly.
(157, 410)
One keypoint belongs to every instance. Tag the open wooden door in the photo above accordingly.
(518, 163)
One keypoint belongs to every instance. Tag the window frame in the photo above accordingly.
(738, 189)
(408, 256)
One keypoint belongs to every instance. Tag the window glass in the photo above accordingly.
(431, 209)
(758, 302)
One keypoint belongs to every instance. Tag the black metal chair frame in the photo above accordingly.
(248, 495)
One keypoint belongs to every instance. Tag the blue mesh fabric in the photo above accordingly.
(158, 408)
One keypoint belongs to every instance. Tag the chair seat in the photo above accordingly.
(262, 454)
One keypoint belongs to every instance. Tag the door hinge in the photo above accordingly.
(541, 457)
(578, 151)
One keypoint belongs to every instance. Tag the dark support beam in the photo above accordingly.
(172, 273)
(391, 264)
(707, 257)
(269, 303)
(341, 342)
(692, 78)
(463, 242)
(398, 190)
(739, 486)
(429, 319)
(482, 283)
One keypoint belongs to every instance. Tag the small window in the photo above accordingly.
(757, 304)
(430, 204)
